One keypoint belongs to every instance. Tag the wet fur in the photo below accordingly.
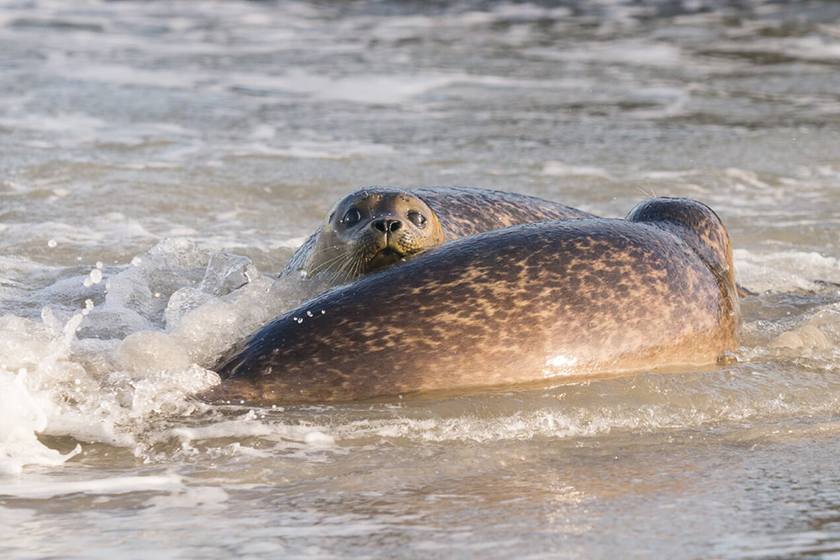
(464, 211)
(512, 306)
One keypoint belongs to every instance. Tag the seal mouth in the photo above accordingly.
(389, 252)
(385, 257)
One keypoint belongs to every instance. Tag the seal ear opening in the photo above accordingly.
(696, 224)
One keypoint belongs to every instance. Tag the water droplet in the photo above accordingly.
(52, 243)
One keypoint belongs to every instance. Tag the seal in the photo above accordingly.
(373, 228)
(529, 303)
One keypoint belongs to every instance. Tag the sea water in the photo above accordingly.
(160, 162)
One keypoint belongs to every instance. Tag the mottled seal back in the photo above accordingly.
(521, 304)
(465, 211)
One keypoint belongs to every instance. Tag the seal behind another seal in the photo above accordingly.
(522, 304)
(373, 228)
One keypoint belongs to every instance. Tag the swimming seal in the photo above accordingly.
(373, 228)
(521, 304)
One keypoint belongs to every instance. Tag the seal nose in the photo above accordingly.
(386, 225)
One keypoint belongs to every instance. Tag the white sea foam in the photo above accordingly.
(633, 53)
(23, 415)
(785, 271)
(314, 150)
(381, 89)
(40, 489)
(560, 169)
(207, 497)
(127, 75)
(75, 123)
(808, 48)
(138, 353)
(378, 89)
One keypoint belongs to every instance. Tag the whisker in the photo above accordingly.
(644, 192)
(354, 268)
(326, 265)
(337, 274)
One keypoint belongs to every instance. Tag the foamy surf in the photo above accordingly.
(23, 416)
(786, 271)
(203, 141)
(111, 486)
(139, 353)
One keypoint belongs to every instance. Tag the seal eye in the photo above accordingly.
(417, 219)
(352, 217)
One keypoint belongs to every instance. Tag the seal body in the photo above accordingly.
(371, 229)
(464, 211)
(521, 304)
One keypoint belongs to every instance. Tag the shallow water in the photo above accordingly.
(161, 161)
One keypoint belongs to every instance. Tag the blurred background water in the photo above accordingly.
(160, 161)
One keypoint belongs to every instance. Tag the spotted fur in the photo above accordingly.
(521, 304)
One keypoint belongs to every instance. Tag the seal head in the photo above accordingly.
(372, 229)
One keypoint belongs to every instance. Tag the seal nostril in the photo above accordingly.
(386, 226)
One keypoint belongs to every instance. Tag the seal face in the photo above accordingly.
(371, 229)
(520, 304)
(367, 230)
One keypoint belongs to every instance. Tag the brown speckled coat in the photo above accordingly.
(521, 304)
